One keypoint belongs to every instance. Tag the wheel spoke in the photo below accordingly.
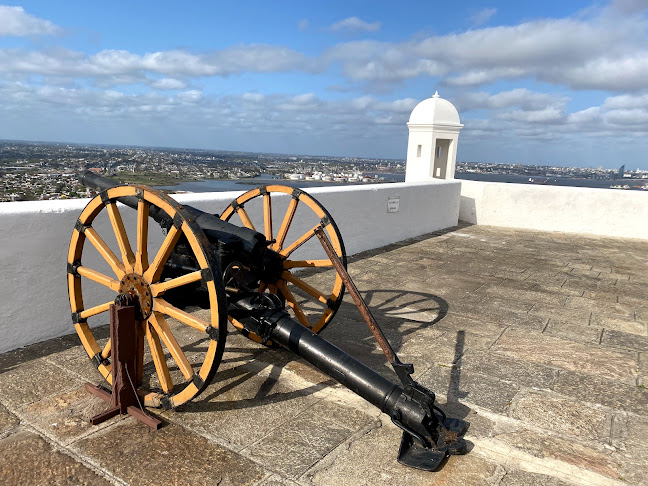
(323, 318)
(267, 216)
(307, 263)
(161, 287)
(161, 305)
(108, 255)
(292, 302)
(152, 274)
(309, 289)
(300, 241)
(105, 352)
(93, 311)
(245, 218)
(141, 258)
(158, 359)
(98, 277)
(285, 225)
(122, 238)
(162, 328)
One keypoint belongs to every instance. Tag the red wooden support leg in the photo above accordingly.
(125, 334)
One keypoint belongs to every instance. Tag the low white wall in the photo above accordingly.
(606, 212)
(34, 242)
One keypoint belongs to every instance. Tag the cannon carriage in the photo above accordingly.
(249, 276)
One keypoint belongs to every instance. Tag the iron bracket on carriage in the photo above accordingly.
(241, 275)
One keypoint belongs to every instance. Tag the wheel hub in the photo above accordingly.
(139, 288)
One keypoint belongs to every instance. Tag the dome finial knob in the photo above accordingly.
(436, 94)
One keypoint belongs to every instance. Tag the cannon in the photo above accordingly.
(239, 275)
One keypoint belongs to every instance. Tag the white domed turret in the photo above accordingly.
(434, 128)
(435, 110)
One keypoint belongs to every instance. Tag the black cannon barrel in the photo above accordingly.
(339, 365)
(214, 227)
(427, 438)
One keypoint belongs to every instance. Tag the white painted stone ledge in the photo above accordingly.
(584, 210)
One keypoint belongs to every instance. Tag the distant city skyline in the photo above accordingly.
(550, 83)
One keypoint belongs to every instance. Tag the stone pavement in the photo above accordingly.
(538, 339)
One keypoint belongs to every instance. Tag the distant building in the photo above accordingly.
(621, 171)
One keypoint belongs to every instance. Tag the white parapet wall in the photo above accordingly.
(34, 242)
(605, 212)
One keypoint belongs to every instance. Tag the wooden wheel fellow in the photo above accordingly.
(288, 217)
(179, 373)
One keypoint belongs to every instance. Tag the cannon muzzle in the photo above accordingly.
(95, 181)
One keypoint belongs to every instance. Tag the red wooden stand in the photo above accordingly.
(124, 337)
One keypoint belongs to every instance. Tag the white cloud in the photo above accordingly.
(630, 6)
(522, 98)
(168, 83)
(585, 117)
(191, 96)
(626, 101)
(253, 97)
(110, 62)
(586, 52)
(355, 24)
(625, 73)
(595, 52)
(482, 16)
(14, 21)
(484, 76)
(628, 117)
(545, 115)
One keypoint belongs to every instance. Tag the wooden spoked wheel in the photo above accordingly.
(134, 273)
(313, 299)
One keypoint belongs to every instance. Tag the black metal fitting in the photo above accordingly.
(403, 371)
(330, 304)
(263, 190)
(98, 360)
(80, 227)
(325, 221)
(198, 381)
(139, 193)
(212, 332)
(73, 268)
(165, 401)
(125, 299)
(235, 205)
(178, 220)
(77, 319)
(207, 275)
(104, 197)
(297, 193)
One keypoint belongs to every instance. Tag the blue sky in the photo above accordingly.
(552, 82)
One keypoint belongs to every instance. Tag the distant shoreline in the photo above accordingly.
(220, 185)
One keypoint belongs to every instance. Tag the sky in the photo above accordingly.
(551, 82)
